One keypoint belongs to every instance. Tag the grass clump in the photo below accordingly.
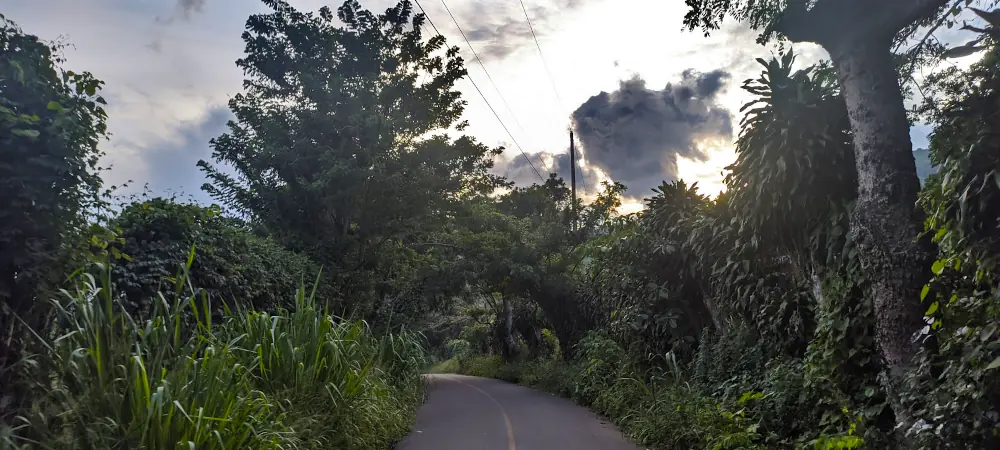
(298, 379)
(450, 365)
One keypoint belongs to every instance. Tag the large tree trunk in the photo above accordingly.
(886, 221)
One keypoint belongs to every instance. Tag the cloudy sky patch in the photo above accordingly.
(170, 70)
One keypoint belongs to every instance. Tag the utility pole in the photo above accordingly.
(572, 175)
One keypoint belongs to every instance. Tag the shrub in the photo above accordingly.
(550, 345)
(458, 348)
(230, 262)
(603, 362)
(446, 366)
(483, 366)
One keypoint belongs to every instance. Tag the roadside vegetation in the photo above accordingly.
(827, 299)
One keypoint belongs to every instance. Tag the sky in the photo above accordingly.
(651, 101)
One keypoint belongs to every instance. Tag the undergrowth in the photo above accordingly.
(663, 410)
(300, 379)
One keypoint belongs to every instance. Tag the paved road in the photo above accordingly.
(471, 413)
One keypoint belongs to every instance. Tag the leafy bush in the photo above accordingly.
(292, 379)
(230, 264)
(484, 366)
(550, 345)
(458, 348)
(959, 405)
(604, 362)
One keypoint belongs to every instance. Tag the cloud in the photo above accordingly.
(500, 28)
(635, 134)
(184, 10)
(587, 180)
(187, 7)
(171, 162)
(516, 168)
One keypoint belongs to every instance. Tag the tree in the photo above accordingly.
(338, 143)
(859, 37)
(641, 274)
(795, 166)
(51, 122)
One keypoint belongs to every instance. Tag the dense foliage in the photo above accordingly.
(231, 264)
(51, 121)
(356, 212)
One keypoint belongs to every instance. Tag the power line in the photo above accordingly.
(480, 61)
(525, 155)
(540, 54)
(552, 81)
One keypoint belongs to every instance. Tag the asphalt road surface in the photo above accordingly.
(471, 413)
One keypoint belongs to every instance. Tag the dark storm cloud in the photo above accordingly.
(586, 178)
(635, 134)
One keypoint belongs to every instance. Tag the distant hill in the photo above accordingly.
(924, 168)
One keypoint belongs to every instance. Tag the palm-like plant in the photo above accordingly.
(795, 162)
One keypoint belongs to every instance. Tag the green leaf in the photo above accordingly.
(937, 267)
(924, 291)
(32, 134)
(994, 364)
(932, 309)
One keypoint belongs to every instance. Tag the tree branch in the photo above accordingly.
(840, 24)
(920, 45)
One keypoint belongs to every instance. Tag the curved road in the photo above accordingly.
(472, 413)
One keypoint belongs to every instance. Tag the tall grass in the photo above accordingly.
(103, 379)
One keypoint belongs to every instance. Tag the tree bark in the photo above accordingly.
(509, 346)
(886, 221)
(713, 312)
(817, 289)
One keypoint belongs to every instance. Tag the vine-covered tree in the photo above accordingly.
(859, 36)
